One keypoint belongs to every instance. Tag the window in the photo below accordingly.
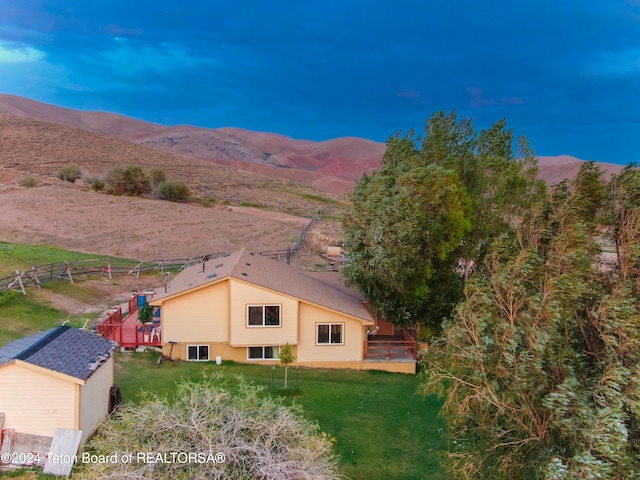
(263, 315)
(330, 334)
(198, 353)
(262, 353)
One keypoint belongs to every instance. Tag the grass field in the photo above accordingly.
(15, 256)
(383, 429)
(23, 315)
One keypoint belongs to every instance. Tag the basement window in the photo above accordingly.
(198, 353)
(263, 353)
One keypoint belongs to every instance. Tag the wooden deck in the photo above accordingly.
(128, 331)
(399, 348)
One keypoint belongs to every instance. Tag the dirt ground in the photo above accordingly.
(138, 228)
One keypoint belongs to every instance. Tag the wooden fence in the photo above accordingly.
(287, 253)
(40, 275)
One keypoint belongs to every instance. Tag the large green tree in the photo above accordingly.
(421, 222)
(540, 366)
(405, 222)
(501, 182)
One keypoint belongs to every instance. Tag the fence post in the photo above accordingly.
(34, 271)
(68, 270)
(273, 378)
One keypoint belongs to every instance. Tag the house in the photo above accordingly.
(60, 378)
(244, 307)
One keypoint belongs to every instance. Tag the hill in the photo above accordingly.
(70, 215)
(555, 169)
(332, 166)
(229, 168)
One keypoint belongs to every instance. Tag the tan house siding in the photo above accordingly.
(94, 398)
(38, 403)
(223, 350)
(244, 294)
(192, 316)
(309, 351)
(202, 314)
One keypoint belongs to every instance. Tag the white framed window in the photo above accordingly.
(330, 334)
(263, 315)
(198, 353)
(263, 353)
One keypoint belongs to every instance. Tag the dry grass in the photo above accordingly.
(70, 215)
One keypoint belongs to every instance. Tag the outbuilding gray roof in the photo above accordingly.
(63, 349)
(274, 275)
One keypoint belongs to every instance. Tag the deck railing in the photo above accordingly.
(111, 327)
(390, 349)
(148, 335)
(133, 304)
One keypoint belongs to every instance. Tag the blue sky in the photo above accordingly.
(565, 73)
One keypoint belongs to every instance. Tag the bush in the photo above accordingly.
(129, 180)
(157, 176)
(239, 432)
(69, 173)
(145, 313)
(7, 295)
(96, 183)
(28, 182)
(174, 191)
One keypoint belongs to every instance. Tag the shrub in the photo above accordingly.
(129, 180)
(174, 191)
(69, 173)
(28, 182)
(145, 313)
(240, 433)
(96, 183)
(7, 295)
(157, 176)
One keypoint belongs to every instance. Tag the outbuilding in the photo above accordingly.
(59, 378)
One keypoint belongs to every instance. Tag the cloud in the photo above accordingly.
(119, 31)
(410, 93)
(131, 59)
(621, 62)
(479, 100)
(12, 53)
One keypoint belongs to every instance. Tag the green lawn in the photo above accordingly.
(383, 430)
(16, 256)
(23, 315)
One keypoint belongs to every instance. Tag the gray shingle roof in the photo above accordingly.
(15, 348)
(274, 275)
(63, 349)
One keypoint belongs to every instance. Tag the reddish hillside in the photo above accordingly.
(112, 124)
(332, 166)
(336, 163)
(555, 169)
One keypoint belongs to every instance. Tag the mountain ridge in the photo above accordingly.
(332, 165)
